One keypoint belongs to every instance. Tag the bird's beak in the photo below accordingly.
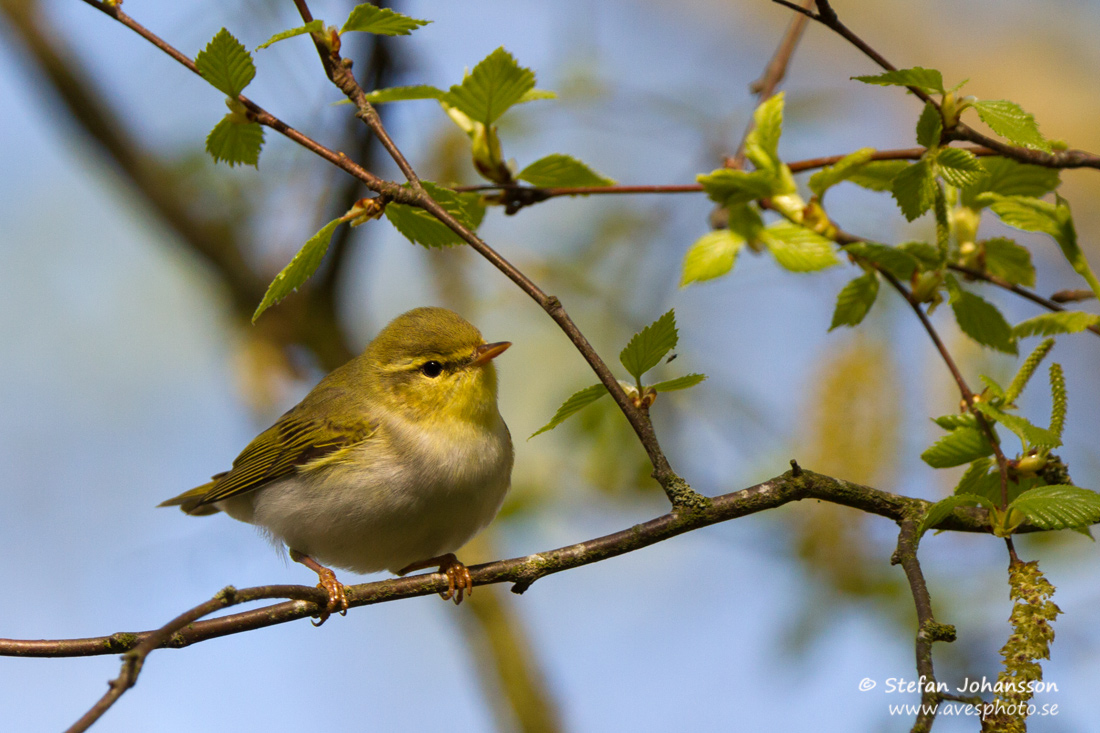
(484, 353)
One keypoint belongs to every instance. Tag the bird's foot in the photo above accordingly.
(459, 582)
(337, 598)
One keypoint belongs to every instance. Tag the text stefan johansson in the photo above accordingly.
(921, 684)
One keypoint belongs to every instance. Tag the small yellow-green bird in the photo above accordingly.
(394, 460)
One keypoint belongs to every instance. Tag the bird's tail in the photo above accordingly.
(191, 501)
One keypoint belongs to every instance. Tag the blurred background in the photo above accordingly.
(129, 371)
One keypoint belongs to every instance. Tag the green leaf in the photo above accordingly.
(382, 21)
(1008, 120)
(762, 142)
(1059, 506)
(914, 188)
(991, 384)
(313, 26)
(534, 95)
(1032, 436)
(974, 476)
(1008, 260)
(897, 262)
(688, 380)
(1050, 324)
(1010, 178)
(421, 227)
(303, 265)
(404, 94)
(956, 420)
(878, 175)
(942, 509)
(730, 187)
(496, 83)
(234, 142)
(842, 170)
(960, 446)
(649, 346)
(929, 126)
(958, 167)
(928, 81)
(226, 64)
(855, 300)
(980, 320)
(797, 248)
(562, 170)
(711, 256)
(574, 404)
(927, 255)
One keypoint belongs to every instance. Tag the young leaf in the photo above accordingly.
(382, 21)
(1026, 370)
(562, 170)
(842, 170)
(688, 380)
(226, 64)
(649, 346)
(897, 262)
(313, 26)
(923, 252)
(928, 81)
(1059, 506)
(1010, 178)
(942, 509)
(762, 142)
(980, 320)
(960, 446)
(1058, 399)
(855, 300)
(711, 256)
(730, 187)
(421, 227)
(1009, 121)
(956, 420)
(574, 404)
(403, 94)
(1008, 260)
(878, 175)
(235, 143)
(300, 268)
(496, 83)
(797, 248)
(974, 477)
(914, 188)
(958, 167)
(1032, 436)
(1050, 324)
(993, 387)
(929, 126)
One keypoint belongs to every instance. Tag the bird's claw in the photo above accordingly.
(459, 582)
(337, 598)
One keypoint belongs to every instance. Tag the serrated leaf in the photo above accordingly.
(313, 26)
(960, 446)
(422, 228)
(1059, 506)
(684, 382)
(647, 347)
(942, 509)
(1010, 178)
(929, 126)
(1009, 120)
(381, 21)
(897, 262)
(842, 170)
(928, 81)
(1008, 260)
(711, 256)
(496, 83)
(235, 143)
(914, 188)
(878, 175)
(762, 142)
(562, 170)
(1032, 436)
(575, 403)
(403, 94)
(993, 386)
(958, 167)
(797, 248)
(980, 320)
(1024, 212)
(730, 187)
(956, 420)
(1050, 324)
(927, 255)
(226, 64)
(299, 270)
(855, 300)
(975, 475)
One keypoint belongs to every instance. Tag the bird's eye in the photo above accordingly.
(431, 369)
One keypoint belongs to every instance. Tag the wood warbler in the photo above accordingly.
(394, 460)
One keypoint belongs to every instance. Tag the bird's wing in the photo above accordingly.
(292, 443)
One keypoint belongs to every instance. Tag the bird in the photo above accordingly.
(392, 462)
